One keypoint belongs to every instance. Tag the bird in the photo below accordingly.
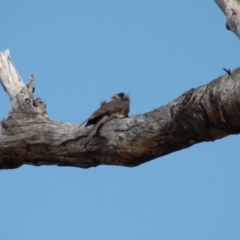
(118, 107)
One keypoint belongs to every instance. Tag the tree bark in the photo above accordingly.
(231, 9)
(29, 136)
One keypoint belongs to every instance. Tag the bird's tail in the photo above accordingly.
(93, 131)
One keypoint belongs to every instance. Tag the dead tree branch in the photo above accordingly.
(28, 136)
(231, 9)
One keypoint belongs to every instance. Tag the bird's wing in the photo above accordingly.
(105, 109)
(121, 107)
(97, 114)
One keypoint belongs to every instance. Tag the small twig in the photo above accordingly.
(228, 71)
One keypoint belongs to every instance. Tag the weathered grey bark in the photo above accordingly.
(28, 136)
(231, 9)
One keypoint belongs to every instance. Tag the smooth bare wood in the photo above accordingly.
(10, 78)
(231, 9)
(28, 136)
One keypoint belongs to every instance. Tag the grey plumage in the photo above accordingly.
(119, 107)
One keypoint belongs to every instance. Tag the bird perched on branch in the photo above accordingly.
(118, 107)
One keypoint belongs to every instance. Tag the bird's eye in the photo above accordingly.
(120, 94)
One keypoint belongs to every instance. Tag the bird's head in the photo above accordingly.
(120, 96)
